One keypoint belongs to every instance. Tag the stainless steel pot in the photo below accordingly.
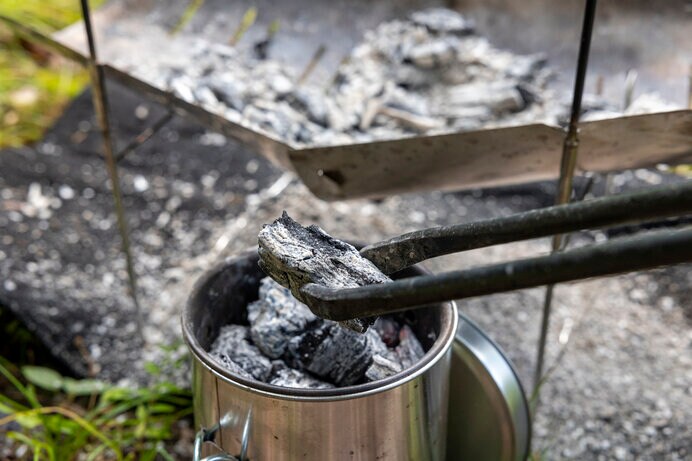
(403, 417)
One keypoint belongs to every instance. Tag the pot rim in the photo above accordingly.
(437, 351)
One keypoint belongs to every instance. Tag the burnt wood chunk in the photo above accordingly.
(381, 368)
(409, 349)
(233, 345)
(276, 318)
(294, 256)
(333, 353)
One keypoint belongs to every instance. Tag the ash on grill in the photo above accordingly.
(430, 73)
(287, 345)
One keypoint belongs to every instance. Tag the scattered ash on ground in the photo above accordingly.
(62, 271)
(287, 345)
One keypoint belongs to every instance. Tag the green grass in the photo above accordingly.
(34, 84)
(63, 419)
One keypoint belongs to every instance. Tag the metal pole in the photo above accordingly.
(100, 102)
(569, 160)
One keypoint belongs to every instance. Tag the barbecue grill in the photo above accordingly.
(441, 162)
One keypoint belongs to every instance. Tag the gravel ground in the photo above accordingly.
(621, 390)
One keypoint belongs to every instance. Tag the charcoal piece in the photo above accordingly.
(231, 366)
(499, 96)
(411, 121)
(375, 343)
(388, 330)
(443, 20)
(311, 103)
(284, 376)
(338, 355)
(229, 91)
(381, 368)
(276, 318)
(409, 349)
(233, 345)
(429, 55)
(205, 96)
(294, 256)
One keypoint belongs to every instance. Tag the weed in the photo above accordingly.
(34, 84)
(89, 418)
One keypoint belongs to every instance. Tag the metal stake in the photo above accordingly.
(100, 102)
(144, 136)
(569, 160)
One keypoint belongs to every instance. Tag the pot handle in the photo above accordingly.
(207, 435)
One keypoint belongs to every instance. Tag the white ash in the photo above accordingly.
(233, 345)
(409, 349)
(275, 318)
(309, 352)
(283, 375)
(381, 368)
(428, 74)
(385, 361)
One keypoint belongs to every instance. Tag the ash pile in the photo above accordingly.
(428, 74)
(286, 345)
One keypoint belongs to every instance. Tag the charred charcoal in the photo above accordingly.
(388, 330)
(432, 54)
(233, 345)
(276, 318)
(375, 343)
(338, 355)
(381, 368)
(294, 256)
(443, 20)
(231, 366)
(409, 349)
(310, 102)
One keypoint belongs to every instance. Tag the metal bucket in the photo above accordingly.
(403, 417)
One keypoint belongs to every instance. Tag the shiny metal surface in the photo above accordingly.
(470, 159)
(488, 411)
(403, 417)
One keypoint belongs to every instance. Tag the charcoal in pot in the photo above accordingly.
(409, 349)
(375, 343)
(388, 330)
(233, 344)
(332, 353)
(231, 366)
(276, 318)
(381, 368)
(284, 376)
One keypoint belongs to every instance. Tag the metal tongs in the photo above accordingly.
(620, 255)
